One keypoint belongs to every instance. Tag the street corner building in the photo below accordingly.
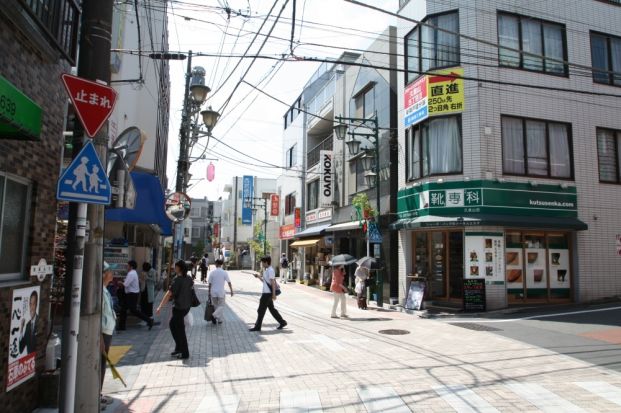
(510, 169)
(37, 45)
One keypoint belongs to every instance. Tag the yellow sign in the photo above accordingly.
(445, 92)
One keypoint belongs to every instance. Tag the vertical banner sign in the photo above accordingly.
(326, 184)
(247, 194)
(297, 218)
(23, 336)
(275, 205)
(415, 102)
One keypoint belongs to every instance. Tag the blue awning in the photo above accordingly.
(149, 204)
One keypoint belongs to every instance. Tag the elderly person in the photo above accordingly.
(338, 289)
(181, 293)
(361, 274)
(108, 321)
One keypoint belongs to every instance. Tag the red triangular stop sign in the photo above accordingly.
(93, 102)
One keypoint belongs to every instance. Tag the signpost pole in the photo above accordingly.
(74, 316)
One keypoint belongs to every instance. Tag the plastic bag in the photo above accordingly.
(188, 320)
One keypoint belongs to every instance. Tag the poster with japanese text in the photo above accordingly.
(23, 336)
(484, 256)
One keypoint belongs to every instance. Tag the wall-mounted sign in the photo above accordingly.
(41, 270)
(325, 180)
(247, 195)
(318, 216)
(20, 116)
(25, 322)
(274, 205)
(297, 217)
(287, 231)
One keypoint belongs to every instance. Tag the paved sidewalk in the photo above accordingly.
(345, 365)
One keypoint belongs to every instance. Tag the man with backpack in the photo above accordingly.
(284, 268)
(204, 267)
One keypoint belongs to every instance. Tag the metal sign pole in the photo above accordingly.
(74, 316)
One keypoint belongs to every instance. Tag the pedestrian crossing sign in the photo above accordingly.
(85, 180)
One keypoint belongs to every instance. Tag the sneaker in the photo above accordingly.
(334, 316)
(281, 326)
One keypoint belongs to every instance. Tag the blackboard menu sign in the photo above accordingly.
(474, 295)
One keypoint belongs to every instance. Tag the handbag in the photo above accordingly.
(277, 287)
(195, 301)
(209, 309)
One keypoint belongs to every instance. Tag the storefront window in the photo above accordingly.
(14, 212)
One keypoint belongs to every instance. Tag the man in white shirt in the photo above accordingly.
(131, 286)
(216, 280)
(268, 296)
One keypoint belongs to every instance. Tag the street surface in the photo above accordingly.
(345, 365)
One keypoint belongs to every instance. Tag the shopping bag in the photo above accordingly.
(188, 320)
(209, 309)
(195, 300)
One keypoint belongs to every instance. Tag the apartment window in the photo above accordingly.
(290, 160)
(536, 148)
(196, 232)
(195, 212)
(428, 48)
(434, 148)
(544, 39)
(364, 103)
(609, 155)
(606, 56)
(313, 195)
(290, 204)
(14, 213)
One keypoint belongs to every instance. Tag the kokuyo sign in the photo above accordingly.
(325, 173)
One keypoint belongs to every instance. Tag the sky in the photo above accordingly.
(251, 124)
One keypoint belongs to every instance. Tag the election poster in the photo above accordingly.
(23, 336)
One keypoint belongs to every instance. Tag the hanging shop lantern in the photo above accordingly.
(211, 171)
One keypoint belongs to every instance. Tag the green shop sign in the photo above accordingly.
(20, 117)
(487, 197)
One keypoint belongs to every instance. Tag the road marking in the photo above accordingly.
(219, 404)
(464, 400)
(382, 399)
(532, 317)
(300, 401)
(543, 399)
(604, 390)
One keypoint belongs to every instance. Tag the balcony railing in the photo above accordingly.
(59, 20)
(313, 154)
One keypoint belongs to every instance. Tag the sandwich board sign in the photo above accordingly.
(85, 180)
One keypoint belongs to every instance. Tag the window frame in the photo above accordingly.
(410, 136)
(290, 156)
(310, 185)
(542, 23)
(22, 274)
(290, 201)
(548, 153)
(610, 70)
(198, 229)
(617, 139)
(418, 28)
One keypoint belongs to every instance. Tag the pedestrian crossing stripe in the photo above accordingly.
(461, 398)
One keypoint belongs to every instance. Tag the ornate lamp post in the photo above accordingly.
(370, 163)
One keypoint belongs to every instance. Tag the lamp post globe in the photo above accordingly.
(341, 131)
(210, 118)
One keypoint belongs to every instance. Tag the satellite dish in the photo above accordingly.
(129, 145)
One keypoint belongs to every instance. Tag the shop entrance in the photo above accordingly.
(538, 267)
(439, 257)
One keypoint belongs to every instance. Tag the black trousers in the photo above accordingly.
(177, 329)
(266, 303)
(145, 306)
(131, 300)
(107, 339)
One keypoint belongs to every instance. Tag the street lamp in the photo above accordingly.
(370, 163)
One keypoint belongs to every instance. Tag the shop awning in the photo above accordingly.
(305, 243)
(515, 221)
(312, 231)
(345, 226)
(149, 204)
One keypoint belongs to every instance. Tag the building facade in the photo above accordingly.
(206, 219)
(508, 162)
(32, 121)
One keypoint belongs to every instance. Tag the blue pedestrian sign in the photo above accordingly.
(85, 180)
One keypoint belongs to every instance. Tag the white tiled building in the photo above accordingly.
(544, 157)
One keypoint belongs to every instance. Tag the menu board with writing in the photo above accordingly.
(474, 295)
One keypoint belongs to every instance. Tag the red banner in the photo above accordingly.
(275, 209)
(287, 231)
(298, 218)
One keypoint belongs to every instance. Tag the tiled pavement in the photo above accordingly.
(335, 365)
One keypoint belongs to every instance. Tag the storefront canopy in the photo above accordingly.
(345, 226)
(305, 243)
(312, 231)
(149, 207)
(516, 221)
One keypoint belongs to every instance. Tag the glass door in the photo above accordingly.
(456, 265)
(438, 265)
(536, 266)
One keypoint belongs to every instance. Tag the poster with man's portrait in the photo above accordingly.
(25, 323)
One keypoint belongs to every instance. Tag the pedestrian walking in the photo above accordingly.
(131, 285)
(181, 293)
(216, 280)
(204, 267)
(268, 295)
(361, 274)
(194, 261)
(284, 268)
(147, 294)
(108, 321)
(338, 290)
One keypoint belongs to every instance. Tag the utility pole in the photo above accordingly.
(83, 395)
(235, 225)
